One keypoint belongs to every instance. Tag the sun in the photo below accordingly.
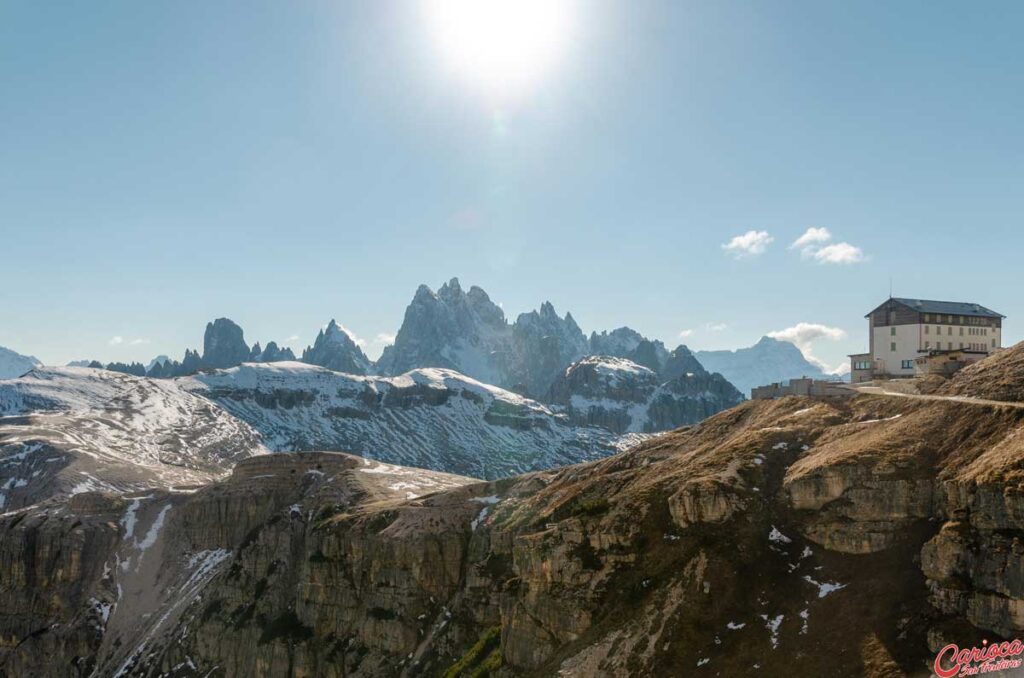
(502, 46)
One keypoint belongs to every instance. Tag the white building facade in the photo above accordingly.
(902, 330)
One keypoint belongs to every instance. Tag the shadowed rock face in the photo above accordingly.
(621, 395)
(871, 531)
(224, 344)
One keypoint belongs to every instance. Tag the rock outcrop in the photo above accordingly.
(620, 395)
(224, 344)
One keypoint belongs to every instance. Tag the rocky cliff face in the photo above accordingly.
(790, 537)
(335, 350)
(631, 345)
(622, 396)
(224, 344)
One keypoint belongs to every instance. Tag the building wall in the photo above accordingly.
(908, 341)
(911, 340)
(858, 374)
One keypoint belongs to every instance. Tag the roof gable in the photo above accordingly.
(944, 307)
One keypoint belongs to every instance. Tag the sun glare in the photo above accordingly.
(504, 46)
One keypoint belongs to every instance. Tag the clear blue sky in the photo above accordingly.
(283, 163)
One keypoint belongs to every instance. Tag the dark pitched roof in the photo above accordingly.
(949, 308)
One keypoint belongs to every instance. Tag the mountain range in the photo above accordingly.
(618, 380)
(802, 536)
(465, 331)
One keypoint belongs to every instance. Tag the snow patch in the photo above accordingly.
(778, 537)
(824, 588)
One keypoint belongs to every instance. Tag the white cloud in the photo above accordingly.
(138, 342)
(750, 244)
(811, 238)
(716, 327)
(384, 338)
(685, 334)
(114, 341)
(294, 337)
(805, 335)
(813, 245)
(839, 253)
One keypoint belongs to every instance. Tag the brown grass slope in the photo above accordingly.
(998, 377)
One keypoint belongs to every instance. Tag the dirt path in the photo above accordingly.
(878, 390)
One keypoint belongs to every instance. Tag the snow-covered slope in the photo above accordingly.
(621, 395)
(430, 418)
(13, 365)
(65, 430)
(766, 362)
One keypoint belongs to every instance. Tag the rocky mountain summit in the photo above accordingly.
(467, 332)
(766, 362)
(621, 395)
(800, 536)
(14, 365)
(335, 350)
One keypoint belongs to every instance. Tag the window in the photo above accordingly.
(927, 329)
(951, 346)
(927, 317)
(892, 346)
(961, 331)
(907, 365)
(938, 330)
(862, 365)
(949, 331)
(993, 343)
(961, 345)
(892, 331)
(927, 344)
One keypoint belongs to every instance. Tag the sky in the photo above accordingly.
(704, 172)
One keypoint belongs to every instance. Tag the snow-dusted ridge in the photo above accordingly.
(67, 430)
(429, 418)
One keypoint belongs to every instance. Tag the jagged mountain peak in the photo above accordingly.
(424, 293)
(451, 289)
(334, 348)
